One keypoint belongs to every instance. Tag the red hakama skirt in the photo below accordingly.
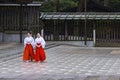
(28, 53)
(40, 54)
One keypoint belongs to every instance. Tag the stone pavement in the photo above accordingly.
(7, 50)
(66, 63)
(13, 50)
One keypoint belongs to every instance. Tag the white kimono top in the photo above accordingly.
(29, 40)
(41, 41)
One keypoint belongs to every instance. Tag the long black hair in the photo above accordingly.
(29, 32)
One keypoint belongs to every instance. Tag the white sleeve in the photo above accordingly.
(33, 44)
(25, 41)
(43, 43)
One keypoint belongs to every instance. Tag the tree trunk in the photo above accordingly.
(56, 5)
(106, 2)
(98, 1)
(80, 5)
(56, 9)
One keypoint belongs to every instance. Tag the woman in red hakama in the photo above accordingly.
(40, 45)
(28, 49)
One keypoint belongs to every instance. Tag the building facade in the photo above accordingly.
(17, 19)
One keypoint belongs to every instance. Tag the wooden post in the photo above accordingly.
(2, 26)
(20, 23)
(29, 18)
(85, 23)
(94, 34)
(42, 28)
(42, 32)
(66, 31)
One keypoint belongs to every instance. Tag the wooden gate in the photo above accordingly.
(67, 30)
(17, 20)
(108, 33)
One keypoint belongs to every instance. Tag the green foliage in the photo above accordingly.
(48, 5)
(67, 4)
(63, 4)
(115, 4)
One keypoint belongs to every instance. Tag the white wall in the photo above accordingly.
(11, 37)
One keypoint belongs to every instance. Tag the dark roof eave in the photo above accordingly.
(16, 4)
(92, 15)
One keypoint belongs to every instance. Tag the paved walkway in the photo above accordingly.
(65, 63)
(7, 50)
(12, 50)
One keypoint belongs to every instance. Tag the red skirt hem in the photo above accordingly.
(28, 53)
(40, 54)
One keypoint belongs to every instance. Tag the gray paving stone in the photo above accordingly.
(65, 63)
